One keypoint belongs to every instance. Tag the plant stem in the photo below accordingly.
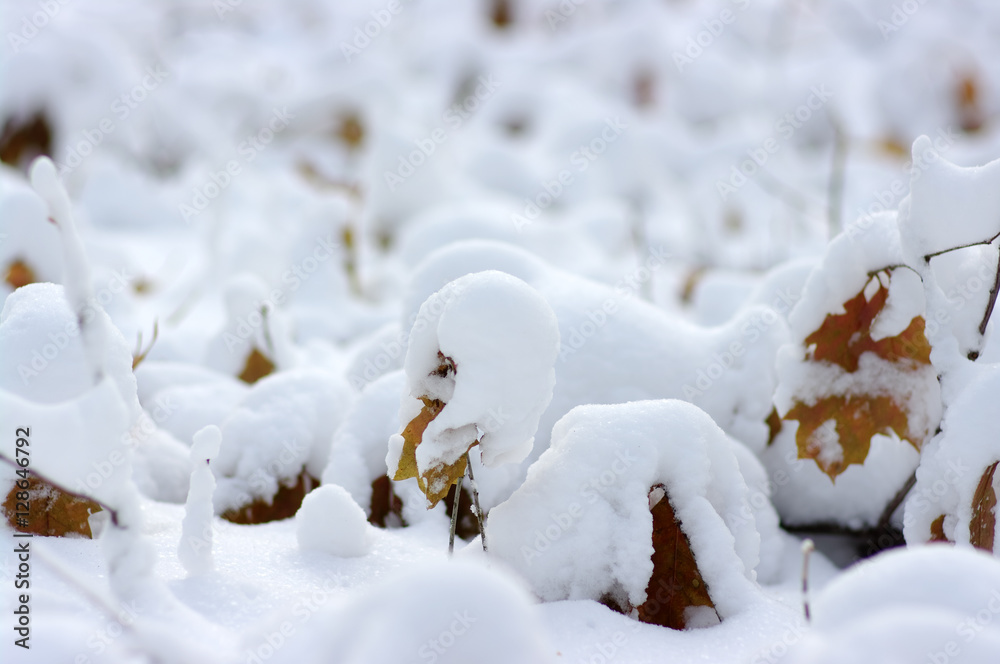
(475, 501)
(454, 516)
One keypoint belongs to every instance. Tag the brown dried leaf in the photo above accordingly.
(937, 530)
(19, 274)
(436, 481)
(51, 511)
(283, 505)
(676, 582)
(982, 527)
(385, 508)
(842, 338)
(257, 366)
(24, 139)
(857, 419)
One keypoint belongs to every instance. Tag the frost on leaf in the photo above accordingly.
(842, 338)
(856, 419)
(436, 481)
(982, 526)
(676, 585)
(856, 416)
(52, 513)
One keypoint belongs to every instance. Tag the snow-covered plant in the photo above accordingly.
(479, 370)
(649, 490)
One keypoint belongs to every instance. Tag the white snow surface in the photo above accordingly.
(330, 521)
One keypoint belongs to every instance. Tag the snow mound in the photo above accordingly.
(283, 426)
(330, 521)
(589, 492)
(929, 604)
(498, 339)
(447, 613)
(615, 347)
(955, 462)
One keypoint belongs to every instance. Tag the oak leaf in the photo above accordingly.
(937, 530)
(436, 481)
(982, 526)
(856, 418)
(676, 584)
(843, 338)
(50, 511)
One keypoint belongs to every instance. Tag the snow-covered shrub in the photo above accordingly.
(600, 488)
(479, 369)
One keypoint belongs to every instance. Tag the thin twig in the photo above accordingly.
(807, 548)
(993, 299)
(896, 501)
(475, 501)
(928, 257)
(835, 191)
(111, 512)
(454, 515)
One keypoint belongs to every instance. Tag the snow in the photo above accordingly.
(330, 521)
(588, 491)
(195, 549)
(502, 339)
(301, 178)
(934, 603)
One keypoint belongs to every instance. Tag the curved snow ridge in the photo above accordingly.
(497, 340)
(589, 492)
(616, 347)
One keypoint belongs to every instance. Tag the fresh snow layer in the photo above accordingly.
(589, 492)
(330, 521)
(502, 339)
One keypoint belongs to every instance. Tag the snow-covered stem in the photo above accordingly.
(807, 548)
(897, 500)
(475, 501)
(76, 277)
(454, 516)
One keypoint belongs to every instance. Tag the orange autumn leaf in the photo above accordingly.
(843, 338)
(982, 526)
(856, 418)
(436, 481)
(51, 512)
(676, 583)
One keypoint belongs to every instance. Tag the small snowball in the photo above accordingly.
(330, 521)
